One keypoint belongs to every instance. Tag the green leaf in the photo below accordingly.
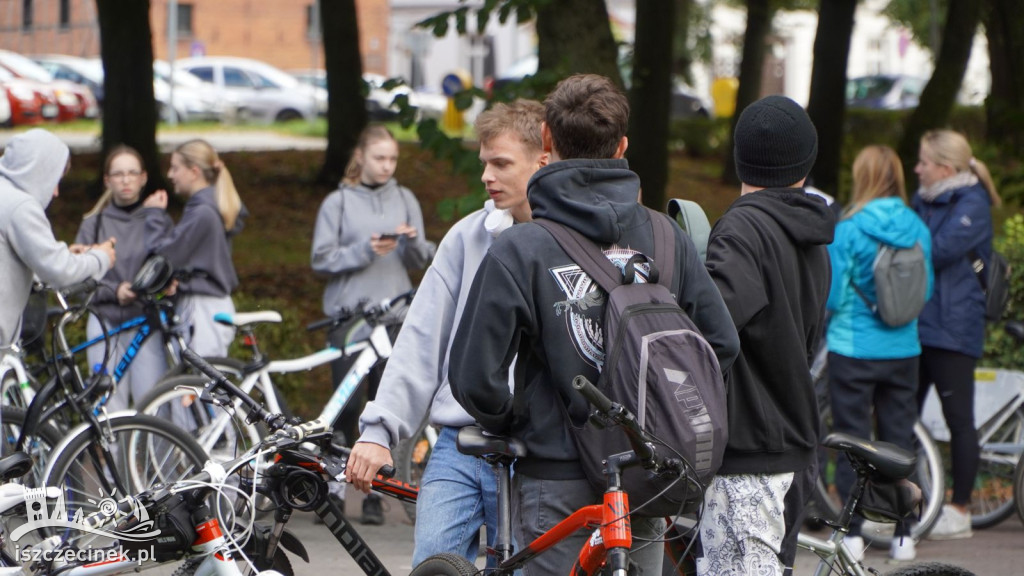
(460, 20)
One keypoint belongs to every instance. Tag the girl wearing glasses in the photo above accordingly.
(117, 215)
(201, 241)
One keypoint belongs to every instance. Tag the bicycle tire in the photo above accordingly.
(174, 401)
(1018, 488)
(992, 500)
(930, 476)
(411, 456)
(146, 451)
(445, 565)
(931, 569)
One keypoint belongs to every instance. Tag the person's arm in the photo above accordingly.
(486, 343)
(328, 254)
(416, 251)
(964, 229)
(178, 244)
(32, 239)
(737, 275)
(700, 299)
(88, 234)
(409, 383)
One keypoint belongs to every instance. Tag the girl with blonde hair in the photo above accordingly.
(955, 200)
(871, 365)
(201, 241)
(117, 214)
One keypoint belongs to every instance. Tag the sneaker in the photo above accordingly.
(902, 549)
(855, 545)
(372, 511)
(952, 525)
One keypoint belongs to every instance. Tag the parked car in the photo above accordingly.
(30, 102)
(193, 98)
(73, 100)
(263, 92)
(884, 91)
(84, 71)
(380, 102)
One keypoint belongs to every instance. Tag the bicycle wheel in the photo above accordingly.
(1018, 487)
(931, 569)
(143, 451)
(220, 434)
(445, 565)
(411, 457)
(39, 447)
(992, 500)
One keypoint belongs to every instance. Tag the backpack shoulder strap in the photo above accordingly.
(664, 247)
(584, 252)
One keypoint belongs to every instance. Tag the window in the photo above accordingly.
(236, 78)
(65, 14)
(204, 73)
(26, 14)
(184, 19)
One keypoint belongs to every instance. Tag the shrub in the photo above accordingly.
(1000, 349)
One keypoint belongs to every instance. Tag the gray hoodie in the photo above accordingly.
(341, 244)
(30, 169)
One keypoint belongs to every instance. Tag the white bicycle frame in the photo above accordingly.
(835, 558)
(10, 361)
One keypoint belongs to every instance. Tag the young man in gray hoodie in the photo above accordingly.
(30, 169)
(458, 492)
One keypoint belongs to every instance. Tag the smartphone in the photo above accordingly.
(389, 235)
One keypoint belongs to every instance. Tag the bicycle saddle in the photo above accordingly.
(154, 275)
(14, 466)
(889, 460)
(474, 442)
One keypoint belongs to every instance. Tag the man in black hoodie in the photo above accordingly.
(530, 298)
(768, 257)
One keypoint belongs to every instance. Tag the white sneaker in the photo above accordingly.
(902, 549)
(952, 525)
(855, 545)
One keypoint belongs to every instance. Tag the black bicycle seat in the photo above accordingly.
(474, 442)
(888, 459)
(14, 466)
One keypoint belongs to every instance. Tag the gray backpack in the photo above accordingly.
(658, 366)
(901, 284)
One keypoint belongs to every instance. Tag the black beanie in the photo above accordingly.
(775, 143)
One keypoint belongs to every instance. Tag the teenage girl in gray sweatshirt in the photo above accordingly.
(368, 235)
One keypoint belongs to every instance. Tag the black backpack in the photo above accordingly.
(901, 284)
(658, 366)
(995, 282)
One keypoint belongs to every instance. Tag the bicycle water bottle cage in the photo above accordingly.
(154, 275)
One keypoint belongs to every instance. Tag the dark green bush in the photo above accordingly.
(1002, 351)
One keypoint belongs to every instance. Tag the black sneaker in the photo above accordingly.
(372, 511)
(339, 502)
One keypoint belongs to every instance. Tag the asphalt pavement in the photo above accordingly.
(995, 551)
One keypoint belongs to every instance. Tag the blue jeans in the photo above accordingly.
(458, 495)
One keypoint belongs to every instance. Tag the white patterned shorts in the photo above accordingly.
(743, 525)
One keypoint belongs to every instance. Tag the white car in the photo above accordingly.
(193, 98)
(263, 93)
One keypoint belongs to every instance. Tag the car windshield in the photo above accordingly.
(181, 78)
(25, 68)
(868, 87)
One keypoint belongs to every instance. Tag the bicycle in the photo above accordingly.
(176, 397)
(608, 547)
(930, 474)
(999, 407)
(204, 534)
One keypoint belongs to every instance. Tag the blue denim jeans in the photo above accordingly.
(458, 495)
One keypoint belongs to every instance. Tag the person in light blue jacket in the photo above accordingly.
(871, 364)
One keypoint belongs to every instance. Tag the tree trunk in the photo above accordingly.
(575, 37)
(827, 103)
(651, 99)
(939, 94)
(759, 22)
(346, 105)
(1004, 107)
(129, 108)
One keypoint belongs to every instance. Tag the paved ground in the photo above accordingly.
(223, 141)
(996, 551)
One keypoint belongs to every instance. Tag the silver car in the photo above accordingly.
(262, 93)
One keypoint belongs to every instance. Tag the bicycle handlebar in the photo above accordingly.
(256, 411)
(83, 287)
(371, 313)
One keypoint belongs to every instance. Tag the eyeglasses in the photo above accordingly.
(130, 175)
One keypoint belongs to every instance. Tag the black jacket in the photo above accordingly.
(530, 298)
(768, 257)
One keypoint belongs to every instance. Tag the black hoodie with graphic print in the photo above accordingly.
(529, 298)
(768, 257)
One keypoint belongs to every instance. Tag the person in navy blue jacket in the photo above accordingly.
(955, 201)
(872, 364)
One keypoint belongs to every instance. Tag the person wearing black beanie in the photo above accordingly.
(767, 254)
